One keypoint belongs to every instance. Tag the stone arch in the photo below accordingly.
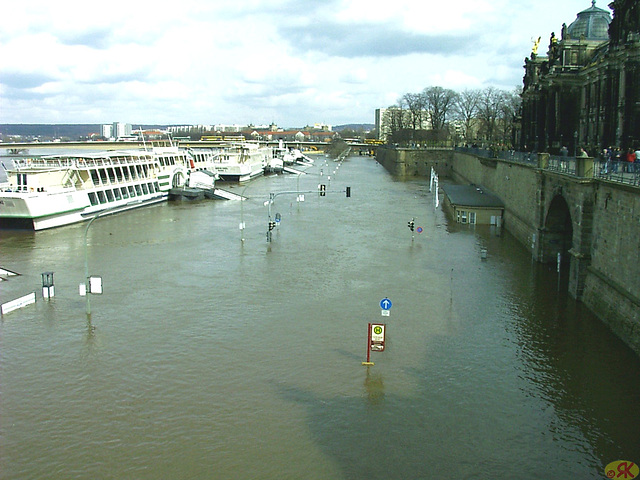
(558, 232)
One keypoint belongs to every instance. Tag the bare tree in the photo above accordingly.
(415, 103)
(507, 116)
(494, 110)
(466, 110)
(488, 111)
(394, 120)
(439, 103)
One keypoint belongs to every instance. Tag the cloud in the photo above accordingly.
(364, 40)
(253, 61)
(19, 81)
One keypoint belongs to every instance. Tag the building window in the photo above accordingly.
(463, 216)
(472, 218)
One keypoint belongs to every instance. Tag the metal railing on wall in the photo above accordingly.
(621, 172)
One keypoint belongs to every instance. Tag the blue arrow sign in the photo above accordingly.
(385, 304)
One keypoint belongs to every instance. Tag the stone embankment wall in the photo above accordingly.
(516, 187)
(605, 217)
(612, 284)
(411, 162)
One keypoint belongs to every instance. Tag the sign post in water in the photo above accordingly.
(375, 340)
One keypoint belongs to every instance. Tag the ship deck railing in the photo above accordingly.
(59, 163)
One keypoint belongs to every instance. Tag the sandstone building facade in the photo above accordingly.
(586, 91)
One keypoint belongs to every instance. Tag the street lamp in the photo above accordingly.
(94, 284)
(242, 214)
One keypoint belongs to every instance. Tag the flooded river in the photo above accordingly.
(208, 357)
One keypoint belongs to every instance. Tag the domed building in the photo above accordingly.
(586, 90)
(591, 24)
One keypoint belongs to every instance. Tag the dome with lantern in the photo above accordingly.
(590, 24)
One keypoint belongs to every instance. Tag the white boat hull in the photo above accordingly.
(61, 190)
(56, 210)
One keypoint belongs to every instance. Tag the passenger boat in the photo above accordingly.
(240, 162)
(55, 190)
(291, 156)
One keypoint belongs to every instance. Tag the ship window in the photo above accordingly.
(119, 174)
(138, 171)
(125, 173)
(112, 175)
(145, 169)
(132, 192)
(152, 188)
(103, 176)
(116, 193)
(95, 178)
(138, 190)
(156, 186)
(93, 198)
(145, 189)
(101, 197)
(110, 195)
(125, 192)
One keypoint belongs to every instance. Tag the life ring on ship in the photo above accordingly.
(193, 165)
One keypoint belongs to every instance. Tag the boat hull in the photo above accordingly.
(30, 213)
(53, 191)
(239, 173)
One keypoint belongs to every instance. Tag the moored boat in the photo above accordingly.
(240, 162)
(55, 190)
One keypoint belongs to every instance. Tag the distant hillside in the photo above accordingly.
(73, 131)
(49, 130)
(366, 127)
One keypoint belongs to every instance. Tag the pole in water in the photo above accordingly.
(368, 362)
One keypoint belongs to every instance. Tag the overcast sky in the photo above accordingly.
(291, 62)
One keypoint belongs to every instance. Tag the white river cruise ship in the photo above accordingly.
(55, 190)
(240, 162)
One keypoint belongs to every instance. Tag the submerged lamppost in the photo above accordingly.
(93, 285)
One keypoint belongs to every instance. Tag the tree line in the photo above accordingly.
(437, 114)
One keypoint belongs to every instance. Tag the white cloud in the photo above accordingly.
(256, 61)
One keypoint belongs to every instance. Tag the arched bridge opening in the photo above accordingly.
(558, 232)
